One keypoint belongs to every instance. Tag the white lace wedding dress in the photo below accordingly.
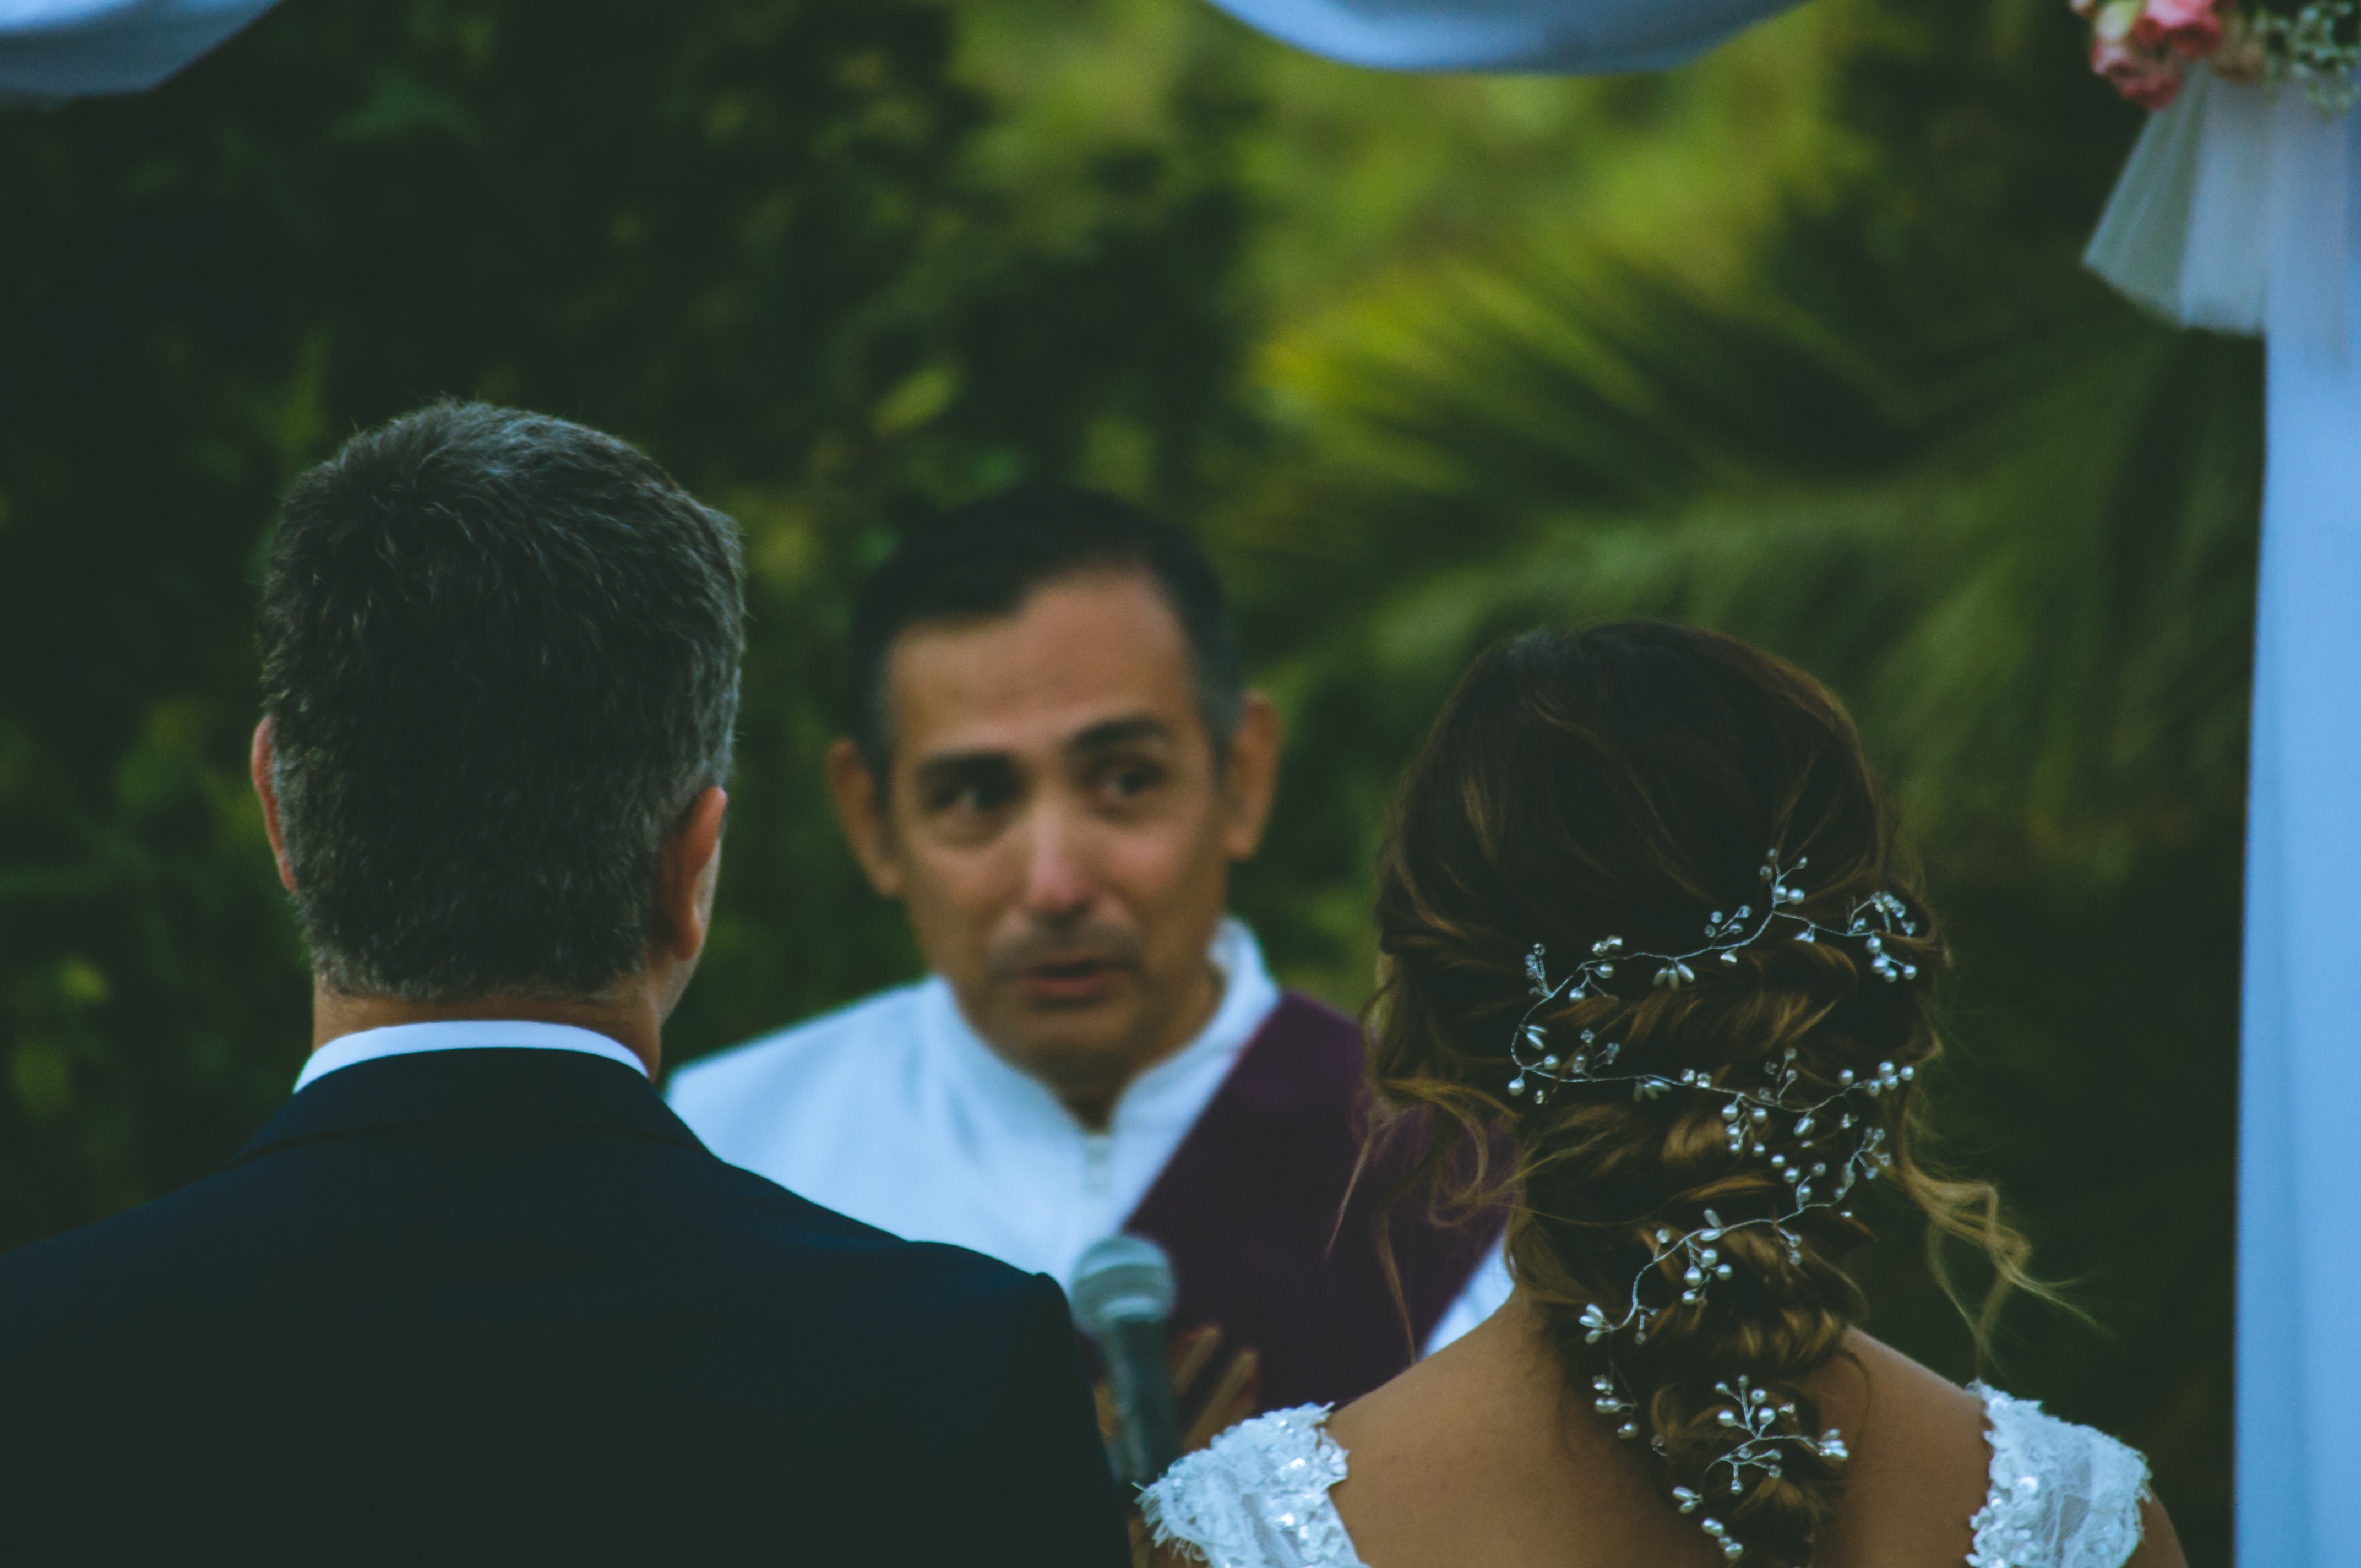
(2062, 1495)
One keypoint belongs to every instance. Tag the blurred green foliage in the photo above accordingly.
(1792, 341)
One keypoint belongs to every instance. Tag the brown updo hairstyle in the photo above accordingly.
(1626, 782)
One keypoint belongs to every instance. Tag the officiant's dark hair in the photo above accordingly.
(983, 560)
(500, 656)
(1624, 782)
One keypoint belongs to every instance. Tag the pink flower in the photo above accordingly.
(2191, 28)
(2149, 79)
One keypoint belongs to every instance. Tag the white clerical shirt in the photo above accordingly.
(894, 1111)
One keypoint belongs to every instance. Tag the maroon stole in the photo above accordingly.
(1248, 1210)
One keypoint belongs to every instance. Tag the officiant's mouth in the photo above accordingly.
(1071, 982)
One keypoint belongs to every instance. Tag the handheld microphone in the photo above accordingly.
(1123, 1300)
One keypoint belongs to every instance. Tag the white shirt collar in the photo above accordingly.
(461, 1034)
(1173, 1091)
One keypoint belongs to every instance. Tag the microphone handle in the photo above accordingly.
(1140, 1371)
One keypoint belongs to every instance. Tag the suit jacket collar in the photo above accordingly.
(481, 1086)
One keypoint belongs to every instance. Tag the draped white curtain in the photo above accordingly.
(2299, 1151)
(59, 48)
(69, 48)
(2241, 210)
(1589, 37)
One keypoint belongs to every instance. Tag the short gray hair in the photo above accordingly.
(500, 656)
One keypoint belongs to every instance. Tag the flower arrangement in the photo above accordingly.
(2145, 47)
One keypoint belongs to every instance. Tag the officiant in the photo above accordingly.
(1052, 761)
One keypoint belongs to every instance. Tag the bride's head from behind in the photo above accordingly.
(1707, 1060)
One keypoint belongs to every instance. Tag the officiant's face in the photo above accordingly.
(1059, 826)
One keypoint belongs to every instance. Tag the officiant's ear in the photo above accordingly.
(261, 762)
(1250, 776)
(860, 812)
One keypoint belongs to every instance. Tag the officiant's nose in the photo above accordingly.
(1060, 884)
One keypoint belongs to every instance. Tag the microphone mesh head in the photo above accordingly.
(1122, 1279)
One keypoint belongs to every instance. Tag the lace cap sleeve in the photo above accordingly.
(1257, 1497)
(2062, 1495)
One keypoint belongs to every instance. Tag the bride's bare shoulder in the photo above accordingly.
(1892, 1410)
(1918, 1437)
(1920, 1468)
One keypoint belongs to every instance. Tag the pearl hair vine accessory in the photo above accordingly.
(1825, 1146)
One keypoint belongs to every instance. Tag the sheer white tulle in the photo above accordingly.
(2062, 1495)
(2231, 214)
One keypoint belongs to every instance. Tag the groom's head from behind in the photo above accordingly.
(500, 658)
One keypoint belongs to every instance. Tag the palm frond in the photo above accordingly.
(2025, 558)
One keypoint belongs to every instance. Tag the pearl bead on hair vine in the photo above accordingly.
(1812, 1135)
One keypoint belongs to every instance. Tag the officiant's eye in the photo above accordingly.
(967, 788)
(1126, 779)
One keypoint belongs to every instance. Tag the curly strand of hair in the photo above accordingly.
(1970, 1211)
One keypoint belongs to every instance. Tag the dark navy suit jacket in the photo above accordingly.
(500, 1306)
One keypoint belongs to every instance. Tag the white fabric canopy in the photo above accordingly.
(1588, 36)
(73, 49)
(2241, 210)
(63, 48)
